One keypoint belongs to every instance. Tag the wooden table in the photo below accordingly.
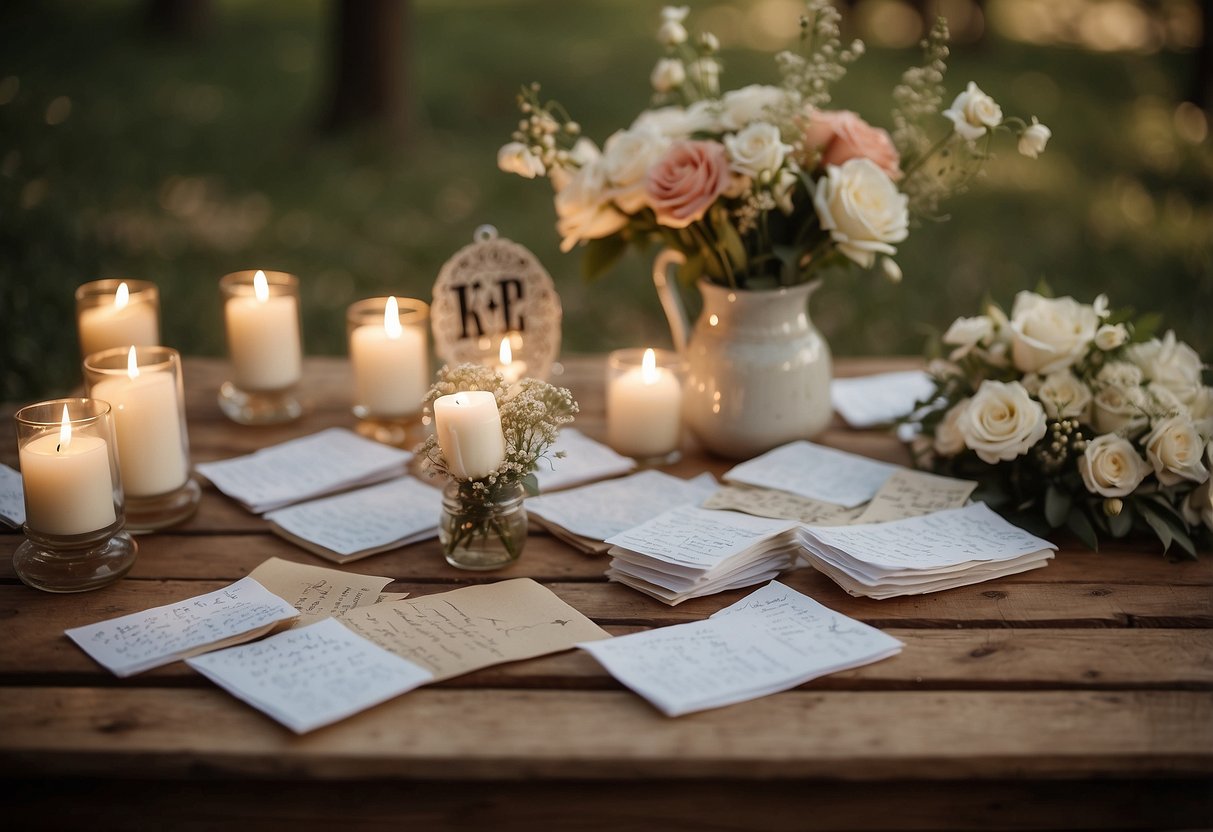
(1072, 697)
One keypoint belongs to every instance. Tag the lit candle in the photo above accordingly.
(121, 322)
(151, 445)
(391, 367)
(469, 432)
(263, 338)
(68, 486)
(510, 369)
(644, 410)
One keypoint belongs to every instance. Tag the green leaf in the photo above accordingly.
(1121, 524)
(1158, 523)
(600, 255)
(1145, 327)
(1057, 506)
(1080, 525)
(691, 270)
(530, 484)
(729, 239)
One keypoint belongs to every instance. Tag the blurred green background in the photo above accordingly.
(124, 152)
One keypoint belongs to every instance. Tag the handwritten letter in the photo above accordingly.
(767, 502)
(699, 537)
(908, 493)
(318, 592)
(816, 472)
(868, 401)
(585, 461)
(12, 497)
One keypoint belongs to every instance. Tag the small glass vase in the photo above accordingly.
(482, 530)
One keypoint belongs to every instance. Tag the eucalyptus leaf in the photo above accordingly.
(1057, 506)
(600, 255)
(1080, 525)
(530, 484)
(1159, 524)
(1121, 524)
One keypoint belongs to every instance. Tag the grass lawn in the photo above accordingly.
(124, 155)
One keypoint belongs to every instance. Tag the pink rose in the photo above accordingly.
(839, 135)
(684, 183)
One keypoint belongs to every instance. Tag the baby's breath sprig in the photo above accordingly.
(821, 59)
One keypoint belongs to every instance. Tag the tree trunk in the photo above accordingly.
(368, 88)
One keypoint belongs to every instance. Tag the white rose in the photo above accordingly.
(1201, 410)
(516, 157)
(1110, 336)
(668, 74)
(1002, 422)
(1171, 363)
(862, 209)
(706, 73)
(782, 189)
(1033, 139)
(677, 123)
(755, 149)
(1119, 374)
(1120, 410)
(1111, 467)
(1064, 396)
(671, 33)
(973, 112)
(626, 157)
(754, 103)
(584, 210)
(1032, 383)
(1175, 449)
(889, 266)
(966, 333)
(675, 13)
(948, 439)
(1199, 506)
(1165, 403)
(1050, 334)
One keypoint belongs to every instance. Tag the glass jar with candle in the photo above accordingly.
(644, 404)
(117, 313)
(143, 387)
(389, 356)
(482, 526)
(75, 540)
(264, 343)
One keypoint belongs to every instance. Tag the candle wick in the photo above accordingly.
(58, 445)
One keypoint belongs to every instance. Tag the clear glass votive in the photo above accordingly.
(264, 343)
(389, 356)
(117, 313)
(644, 404)
(482, 530)
(143, 387)
(75, 540)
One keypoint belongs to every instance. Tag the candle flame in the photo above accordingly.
(505, 354)
(261, 287)
(65, 432)
(132, 365)
(122, 297)
(648, 367)
(391, 319)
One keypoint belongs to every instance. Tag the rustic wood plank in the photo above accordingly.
(442, 734)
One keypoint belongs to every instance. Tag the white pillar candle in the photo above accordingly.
(511, 370)
(126, 321)
(468, 425)
(263, 338)
(151, 450)
(644, 410)
(391, 366)
(68, 486)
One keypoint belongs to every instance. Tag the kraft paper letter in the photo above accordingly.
(452, 633)
(140, 641)
(312, 676)
(908, 493)
(816, 472)
(868, 401)
(12, 497)
(767, 502)
(318, 592)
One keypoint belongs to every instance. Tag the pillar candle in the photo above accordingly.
(68, 486)
(128, 320)
(468, 425)
(263, 339)
(391, 365)
(644, 411)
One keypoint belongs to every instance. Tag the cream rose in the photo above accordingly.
(1198, 507)
(1111, 336)
(516, 157)
(755, 149)
(626, 158)
(1171, 363)
(1201, 410)
(966, 333)
(1050, 334)
(756, 102)
(948, 439)
(1111, 467)
(584, 210)
(684, 182)
(668, 74)
(840, 135)
(1119, 374)
(1033, 139)
(1175, 449)
(973, 112)
(1120, 410)
(862, 209)
(1002, 422)
(1065, 396)
(672, 32)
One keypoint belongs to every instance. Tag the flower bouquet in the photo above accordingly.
(1069, 415)
(484, 523)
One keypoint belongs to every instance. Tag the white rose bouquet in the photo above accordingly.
(1071, 416)
(763, 186)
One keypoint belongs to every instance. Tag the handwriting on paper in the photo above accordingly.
(318, 592)
(12, 497)
(585, 461)
(767, 502)
(456, 632)
(907, 493)
(816, 472)
(143, 640)
(879, 399)
(697, 536)
(311, 676)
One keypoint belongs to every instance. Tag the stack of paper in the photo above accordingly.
(585, 461)
(585, 517)
(302, 469)
(12, 497)
(687, 552)
(359, 523)
(929, 553)
(770, 641)
(815, 472)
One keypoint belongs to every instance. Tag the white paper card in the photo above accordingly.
(585, 461)
(12, 497)
(312, 676)
(816, 472)
(142, 640)
(401, 511)
(770, 641)
(699, 537)
(867, 401)
(312, 466)
(604, 509)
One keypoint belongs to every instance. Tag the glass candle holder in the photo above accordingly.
(144, 389)
(74, 518)
(389, 354)
(644, 404)
(117, 313)
(261, 319)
